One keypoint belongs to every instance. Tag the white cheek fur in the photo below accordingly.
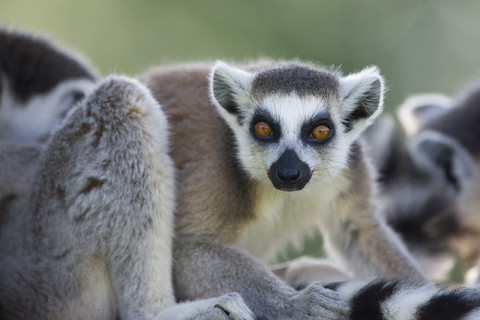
(291, 112)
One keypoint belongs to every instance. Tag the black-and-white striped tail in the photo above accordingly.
(387, 300)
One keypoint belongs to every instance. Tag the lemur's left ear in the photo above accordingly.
(229, 88)
(362, 99)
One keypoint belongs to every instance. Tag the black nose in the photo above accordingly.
(289, 173)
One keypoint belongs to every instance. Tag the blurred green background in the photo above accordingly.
(420, 46)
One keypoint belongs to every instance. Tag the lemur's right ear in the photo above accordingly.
(445, 158)
(419, 109)
(229, 87)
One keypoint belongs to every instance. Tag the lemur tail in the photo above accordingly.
(387, 300)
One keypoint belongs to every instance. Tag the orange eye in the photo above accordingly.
(263, 129)
(321, 132)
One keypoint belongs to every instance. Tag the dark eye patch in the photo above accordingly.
(309, 125)
(262, 115)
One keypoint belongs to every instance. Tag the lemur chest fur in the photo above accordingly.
(286, 217)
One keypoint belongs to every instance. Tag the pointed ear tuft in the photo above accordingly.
(362, 94)
(229, 87)
(419, 109)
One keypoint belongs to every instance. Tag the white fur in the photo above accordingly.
(291, 111)
(404, 304)
(473, 315)
(409, 116)
(472, 276)
(99, 296)
(352, 88)
(436, 266)
(235, 78)
(348, 290)
(278, 211)
(40, 114)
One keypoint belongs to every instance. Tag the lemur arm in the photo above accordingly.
(366, 245)
(204, 270)
(359, 252)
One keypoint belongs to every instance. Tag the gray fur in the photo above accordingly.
(430, 181)
(460, 122)
(19, 163)
(91, 237)
(299, 78)
(440, 173)
(418, 202)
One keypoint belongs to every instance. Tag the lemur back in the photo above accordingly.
(202, 154)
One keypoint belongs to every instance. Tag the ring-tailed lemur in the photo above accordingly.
(39, 83)
(269, 152)
(92, 237)
(430, 181)
(114, 128)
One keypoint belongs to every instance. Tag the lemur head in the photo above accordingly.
(293, 122)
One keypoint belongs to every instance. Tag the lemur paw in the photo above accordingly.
(227, 307)
(316, 302)
(232, 307)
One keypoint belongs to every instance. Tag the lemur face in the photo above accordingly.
(294, 123)
(292, 137)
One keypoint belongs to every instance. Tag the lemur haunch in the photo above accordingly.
(86, 219)
(269, 152)
(92, 237)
